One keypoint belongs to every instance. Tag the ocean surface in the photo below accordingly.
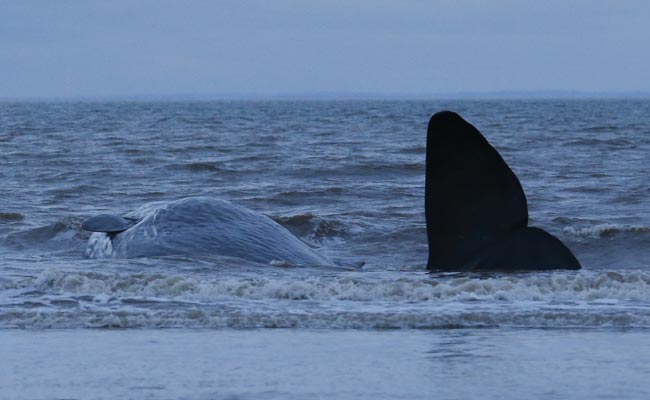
(347, 178)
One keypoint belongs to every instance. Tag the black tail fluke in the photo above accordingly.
(476, 209)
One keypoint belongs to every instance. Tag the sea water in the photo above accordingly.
(347, 178)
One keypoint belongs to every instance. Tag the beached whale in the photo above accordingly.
(476, 214)
(476, 209)
(195, 226)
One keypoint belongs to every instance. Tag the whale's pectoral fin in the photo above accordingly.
(108, 223)
(527, 249)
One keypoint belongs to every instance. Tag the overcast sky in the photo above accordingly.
(132, 48)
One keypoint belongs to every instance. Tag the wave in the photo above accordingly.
(619, 142)
(605, 230)
(299, 196)
(199, 167)
(365, 168)
(11, 217)
(560, 286)
(60, 235)
(89, 299)
(417, 149)
(315, 228)
(243, 319)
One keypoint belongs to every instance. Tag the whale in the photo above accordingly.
(475, 207)
(197, 226)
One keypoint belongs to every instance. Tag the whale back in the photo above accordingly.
(472, 198)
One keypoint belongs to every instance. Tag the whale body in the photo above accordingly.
(476, 209)
(195, 226)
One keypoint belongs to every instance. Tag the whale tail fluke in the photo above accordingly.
(528, 249)
(476, 209)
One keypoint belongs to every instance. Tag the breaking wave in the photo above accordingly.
(248, 319)
(347, 301)
(625, 285)
(605, 230)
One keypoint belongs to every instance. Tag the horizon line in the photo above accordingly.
(345, 95)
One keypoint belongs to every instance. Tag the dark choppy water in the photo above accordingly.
(346, 177)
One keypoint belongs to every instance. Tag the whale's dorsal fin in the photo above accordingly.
(476, 209)
(108, 223)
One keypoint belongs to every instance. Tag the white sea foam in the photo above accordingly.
(221, 318)
(604, 230)
(584, 285)
(68, 299)
(99, 246)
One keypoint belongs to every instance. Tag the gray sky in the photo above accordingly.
(157, 47)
